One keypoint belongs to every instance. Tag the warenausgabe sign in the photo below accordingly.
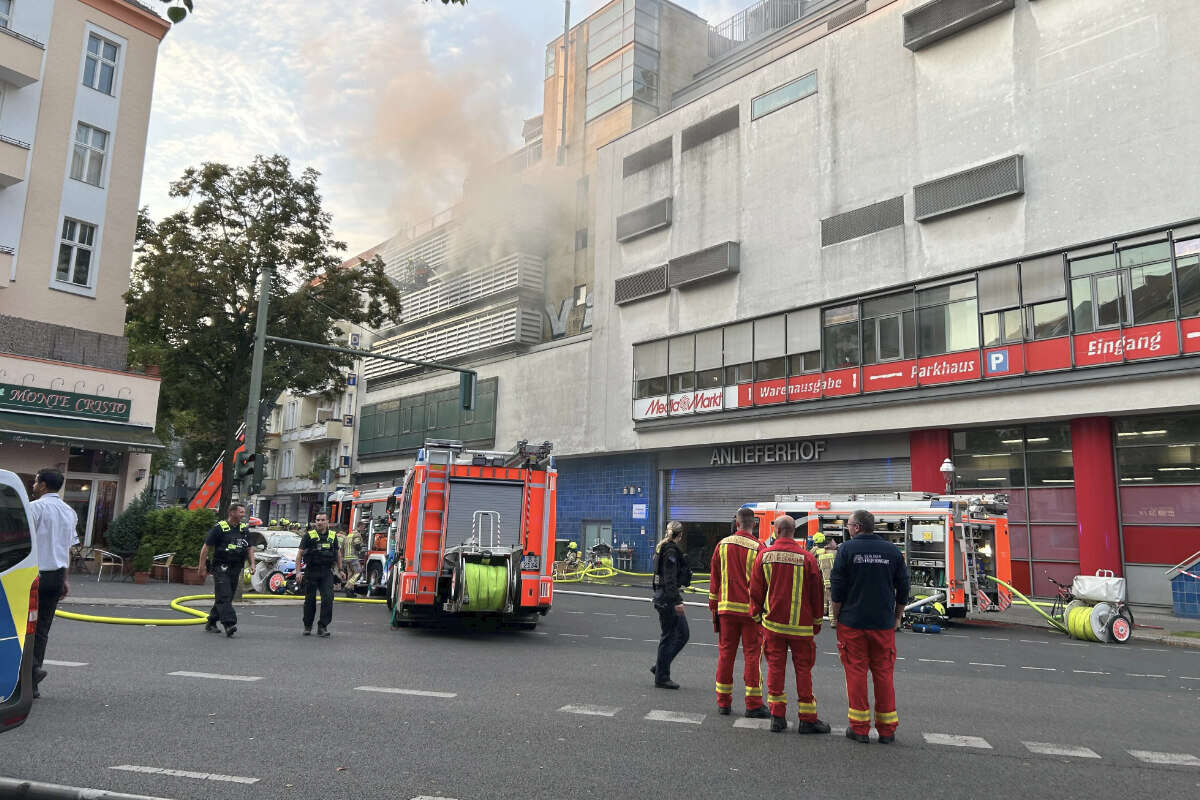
(63, 404)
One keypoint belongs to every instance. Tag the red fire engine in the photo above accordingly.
(474, 535)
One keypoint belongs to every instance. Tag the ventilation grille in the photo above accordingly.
(646, 158)
(982, 184)
(853, 12)
(644, 220)
(862, 221)
(640, 285)
(712, 262)
(942, 18)
(710, 128)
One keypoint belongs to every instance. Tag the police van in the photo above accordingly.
(18, 601)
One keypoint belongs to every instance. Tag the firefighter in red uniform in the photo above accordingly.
(868, 587)
(787, 596)
(729, 601)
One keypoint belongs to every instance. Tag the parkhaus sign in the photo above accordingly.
(794, 452)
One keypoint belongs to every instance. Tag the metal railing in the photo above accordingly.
(759, 20)
(22, 37)
(16, 142)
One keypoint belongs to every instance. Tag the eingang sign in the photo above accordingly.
(63, 404)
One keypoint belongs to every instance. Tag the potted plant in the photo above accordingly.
(142, 562)
(193, 527)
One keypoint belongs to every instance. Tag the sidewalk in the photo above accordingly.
(1160, 625)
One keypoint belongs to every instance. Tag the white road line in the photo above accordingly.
(618, 638)
(984, 664)
(1042, 669)
(574, 612)
(1074, 644)
(1032, 641)
(431, 797)
(604, 614)
(1186, 678)
(831, 652)
(955, 635)
(182, 773)
(1142, 675)
(639, 616)
(575, 635)
(675, 716)
(935, 660)
(540, 633)
(652, 641)
(1176, 759)
(1047, 749)
(1155, 649)
(214, 676)
(754, 724)
(1090, 672)
(951, 740)
(705, 644)
(591, 711)
(899, 658)
(413, 692)
(995, 638)
(65, 663)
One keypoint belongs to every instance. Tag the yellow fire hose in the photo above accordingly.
(1053, 622)
(194, 617)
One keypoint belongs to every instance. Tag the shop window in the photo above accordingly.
(888, 329)
(1046, 320)
(1018, 542)
(1187, 273)
(840, 336)
(1002, 327)
(1048, 436)
(1171, 463)
(1054, 542)
(1050, 505)
(1174, 429)
(102, 462)
(1159, 505)
(947, 319)
(1017, 512)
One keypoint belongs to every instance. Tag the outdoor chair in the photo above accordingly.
(80, 556)
(107, 559)
(162, 561)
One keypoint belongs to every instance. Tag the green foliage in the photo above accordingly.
(174, 530)
(193, 299)
(125, 532)
(179, 9)
(320, 464)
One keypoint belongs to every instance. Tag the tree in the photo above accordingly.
(178, 10)
(192, 303)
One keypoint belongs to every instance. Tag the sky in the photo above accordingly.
(392, 101)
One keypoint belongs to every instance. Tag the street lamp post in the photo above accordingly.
(947, 470)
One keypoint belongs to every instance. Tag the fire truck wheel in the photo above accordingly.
(391, 592)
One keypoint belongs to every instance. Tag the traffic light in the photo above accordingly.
(466, 390)
(245, 467)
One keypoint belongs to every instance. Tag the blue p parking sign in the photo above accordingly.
(997, 362)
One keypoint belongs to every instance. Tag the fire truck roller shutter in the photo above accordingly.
(714, 495)
(467, 497)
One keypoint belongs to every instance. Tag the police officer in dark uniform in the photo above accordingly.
(229, 544)
(319, 556)
(671, 576)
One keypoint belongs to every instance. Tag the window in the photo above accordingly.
(650, 369)
(804, 341)
(75, 253)
(770, 348)
(739, 353)
(5, 12)
(1131, 286)
(840, 336)
(947, 319)
(100, 66)
(708, 359)
(784, 95)
(1046, 320)
(681, 362)
(1002, 327)
(87, 161)
(888, 329)
(581, 239)
(551, 57)
(16, 541)
(632, 73)
(1187, 272)
(581, 295)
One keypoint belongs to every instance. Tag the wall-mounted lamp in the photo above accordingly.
(141, 475)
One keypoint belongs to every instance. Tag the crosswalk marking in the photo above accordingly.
(1042, 669)
(214, 676)
(1090, 672)
(1048, 749)
(935, 660)
(952, 740)
(1174, 759)
(1142, 675)
(182, 773)
(618, 638)
(754, 724)
(591, 711)
(685, 717)
(65, 663)
(985, 664)
(413, 692)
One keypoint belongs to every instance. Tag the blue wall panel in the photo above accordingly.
(590, 489)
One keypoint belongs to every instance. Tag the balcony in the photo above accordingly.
(321, 433)
(6, 260)
(20, 58)
(14, 155)
(270, 486)
(301, 484)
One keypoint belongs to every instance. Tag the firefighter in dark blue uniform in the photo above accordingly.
(318, 557)
(229, 546)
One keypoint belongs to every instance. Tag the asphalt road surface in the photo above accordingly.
(569, 711)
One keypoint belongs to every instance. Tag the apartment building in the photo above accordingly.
(76, 80)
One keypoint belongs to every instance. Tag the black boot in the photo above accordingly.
(813, 727)
(230, 630)
(724, 711)
(861, 738)
(667, 684)
(211, 627)
(322, 632)
(778, 724)
(758, 713)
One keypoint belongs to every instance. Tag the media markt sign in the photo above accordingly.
(63, 404)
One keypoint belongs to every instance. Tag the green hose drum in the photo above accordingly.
(486, 586)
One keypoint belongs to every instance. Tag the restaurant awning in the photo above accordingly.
(102, 435)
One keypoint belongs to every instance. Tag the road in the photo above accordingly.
(375, 712)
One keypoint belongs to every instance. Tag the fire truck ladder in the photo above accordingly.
(431, 516)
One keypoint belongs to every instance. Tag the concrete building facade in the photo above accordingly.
(76, 79)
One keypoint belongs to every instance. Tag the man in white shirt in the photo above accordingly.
(54, 525)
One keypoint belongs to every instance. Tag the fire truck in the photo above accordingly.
(370, 513)
(474, 536)
(951, 543)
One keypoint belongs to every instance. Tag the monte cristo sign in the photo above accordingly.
(63, 404)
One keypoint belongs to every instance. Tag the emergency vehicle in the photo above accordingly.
(474, 535)
(951, 543)
(369, 514)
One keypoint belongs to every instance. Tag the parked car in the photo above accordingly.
(286, 543)
(18, 601)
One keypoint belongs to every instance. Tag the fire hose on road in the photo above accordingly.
(193, 616)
